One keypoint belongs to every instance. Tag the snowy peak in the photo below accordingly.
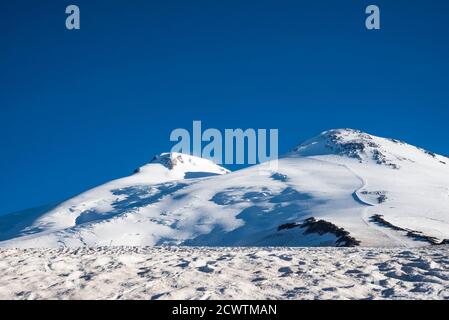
(366, 148)
(182, 166)
(174, 160)
(341, 188)
(349, 143)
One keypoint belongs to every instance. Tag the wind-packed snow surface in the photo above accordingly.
(342, 188)
(224, 273)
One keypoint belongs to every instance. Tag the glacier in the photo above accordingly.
(341, 188)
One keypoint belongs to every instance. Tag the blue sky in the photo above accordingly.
(78, 108)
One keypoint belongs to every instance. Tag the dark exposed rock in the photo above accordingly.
(350, 149)
(168, 161)
(356, 148)
(358, 145)
(287, 226)
(279, 176)
(372, 144)
(418, 236)
(380, 158)
(379, 219)
(415, 235)
(433, 155)
(321, 227)
(397, 141)
(381, 196)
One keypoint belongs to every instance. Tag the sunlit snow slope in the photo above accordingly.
(342, 188)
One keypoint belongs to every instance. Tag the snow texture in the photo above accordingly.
(224, 273)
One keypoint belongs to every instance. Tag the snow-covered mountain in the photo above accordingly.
(341, 188)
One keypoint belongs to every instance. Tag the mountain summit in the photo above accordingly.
(366, 148)
(341, 188)
(175, 166)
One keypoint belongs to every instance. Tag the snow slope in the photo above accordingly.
(224, 273)
(341, 188)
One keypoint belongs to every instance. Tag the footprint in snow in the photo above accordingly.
(183, 264)
(157, 296)
(353, 271)
(224, 257)
(285, 257)
(387, 293)
(143, 272)
(286, 271)
(205, 269)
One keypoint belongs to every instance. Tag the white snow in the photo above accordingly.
(344, 177)
(224, 273)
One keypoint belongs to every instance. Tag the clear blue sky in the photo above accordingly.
(78, 108)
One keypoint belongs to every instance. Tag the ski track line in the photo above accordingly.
(365, 214)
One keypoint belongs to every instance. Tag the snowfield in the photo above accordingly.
(224, 273)
(182, 227)
(341, 188)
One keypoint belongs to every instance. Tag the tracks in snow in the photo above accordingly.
(225, 273)
(395, 240)
(366, 215)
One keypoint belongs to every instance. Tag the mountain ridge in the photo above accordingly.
(328, 191)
